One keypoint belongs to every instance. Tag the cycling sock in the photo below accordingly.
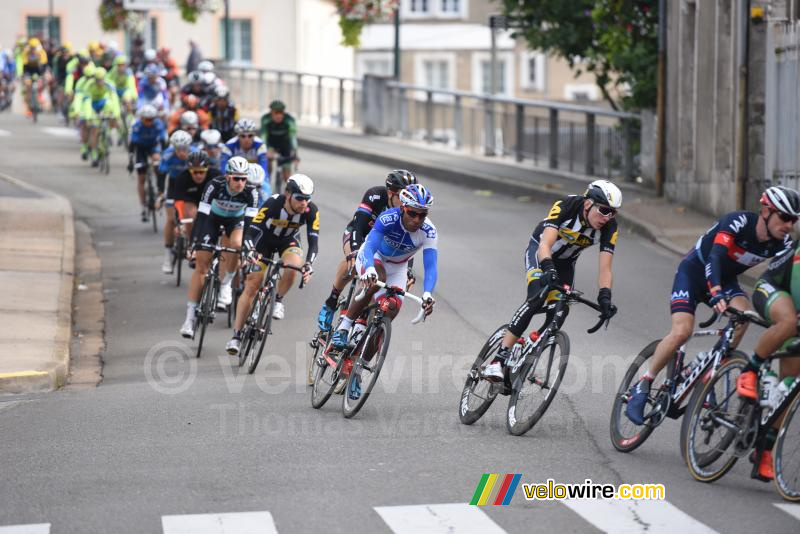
(502, 355)
(278, 298)
(84, 148)
(345, 323)
(228, 278)
(769, 439)
(755, 363)
(237, 334)
(648, 376)
(333, 298)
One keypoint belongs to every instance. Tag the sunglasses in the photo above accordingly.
(199, 170)
(605, 211)
(247, 136)
(417, 214)
(300, 197)
(785, 217)
(239, 178)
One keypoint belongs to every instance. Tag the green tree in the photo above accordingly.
(615, 40)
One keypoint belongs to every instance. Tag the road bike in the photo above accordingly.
(103, 145)
(284, 167)
(33, 98)
(671, 389)
(179, 247)
(533, 372)
(150, 195)
(256, 328)
(207, 306)
(361, 361)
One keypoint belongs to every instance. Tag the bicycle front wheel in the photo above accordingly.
(178, 258)
(205, 308)
(537, 384)
(786, 455)
(325, 375)
(371, 354)
(263, 327)
(478, 394)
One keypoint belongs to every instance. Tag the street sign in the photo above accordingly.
(499, 22)
(149, 5)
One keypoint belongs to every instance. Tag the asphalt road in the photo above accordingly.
(167, 435)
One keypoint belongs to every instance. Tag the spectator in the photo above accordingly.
(195, 57)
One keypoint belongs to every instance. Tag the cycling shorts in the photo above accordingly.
(764, 295)
(396, 273)
(691, 288)
(209, 230)
(283, 247)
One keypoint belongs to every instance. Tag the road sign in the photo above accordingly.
(149, 5)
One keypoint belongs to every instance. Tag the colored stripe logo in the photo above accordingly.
(495, 489)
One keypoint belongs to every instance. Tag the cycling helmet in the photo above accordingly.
(604, 193)
(277, 105)
(88, 70)
(197, 160)
(189, 119)
(180, 139)
(300, 183)
(256, 175)
(222, 92)
(100, 74)
(416, 196)
(245, 126)
(205, 66)
(150, 55)
(152, 70)
(34, 42)
(83, 55)
(400, 178)
(191, 101)
(209, 77)
(121, 59)
(195, 77)
(148, 112)
(211, 137)
(237, 166)
(782, 199)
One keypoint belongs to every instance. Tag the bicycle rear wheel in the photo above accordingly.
(714, 425)
(206, 306)
(478, 394)
(151, 199)
(537, 384)
(263, 326)
(786, 455)
(177, 258)
(371, 354)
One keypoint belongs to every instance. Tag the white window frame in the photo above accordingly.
(508, 74)
(236, 45)
(540, 85)
(419, 70)
(434, 11)
(571, 88)
(363, 57)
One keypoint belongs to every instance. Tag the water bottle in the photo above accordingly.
(784, 387)
(769, 390)
(689, 369)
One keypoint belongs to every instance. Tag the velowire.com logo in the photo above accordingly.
(495, 489)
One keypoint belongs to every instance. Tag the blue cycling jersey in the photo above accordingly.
(171, 164)
(394, 244)
(264, 192)
(149, 91)
(257, 153)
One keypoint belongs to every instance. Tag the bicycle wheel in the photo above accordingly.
(786, 455)
(207, 302)
(177, 258)
(713, 426)
(250, 334)
(326, 376)
(264, 324)
(537, 384)
(371, 354)
(478, 394)
(694, 399)
(151, 199)
(625, 435)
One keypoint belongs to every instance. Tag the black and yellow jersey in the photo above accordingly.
(574, 232)
(273, 225)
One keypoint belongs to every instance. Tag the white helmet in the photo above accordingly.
(150, 55)
(211, 137)
(255, 175)
(195, 77)
(245, 125)
(148, 112)
(205, 66)
(180, 139)
(237, 166)
(209, 77)
(604, 193)
(300, 183)
(189, 119)
(221, 91)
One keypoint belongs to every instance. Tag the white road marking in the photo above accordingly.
(625, 517)
(61, 132)
(40, 528)
(438, 519)
(5, 133)
(236, 523)
(791, 509)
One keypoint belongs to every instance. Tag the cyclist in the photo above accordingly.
(75, 69)
(153, 90)
(7, 74)
(76, 105)
(124, 82)
(211, 80)
(59, 64)
(147, 135)
(189, 186)
(99, 100)
(174, 162)
(708, 273)
(255, 177)
(190, 103)
(34, 63)
(229, 202)
(573, 224)
(374, 202)
(170, 72)
(276, 228)
(247, 145)
(213, 147)
(223, 113)
(197, 86)
(279, 131)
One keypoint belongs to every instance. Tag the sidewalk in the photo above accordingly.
(36, 279)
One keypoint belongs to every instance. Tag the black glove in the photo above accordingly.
(716, 298)
(549, 273)
(607, 310)
(130, 163)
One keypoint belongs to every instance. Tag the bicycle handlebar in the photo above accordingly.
(215, 248)
(281, 265)
(737, 315)
(575, 296)
(420, 316)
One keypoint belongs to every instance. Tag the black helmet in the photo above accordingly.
(277, 105)
(400, 178)
(197, 159)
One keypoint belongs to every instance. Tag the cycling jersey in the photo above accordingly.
(374, 202)
(153, 93)
(99, 98)
(124, 83)
(148, 136)
(264, 192)
(188, 190)
(574, 232)
(256, 154)
(74, 73)
(274, 226)
(221, 206)
(224, 119)
(170, 166)
(782, 277)
(390, 242)
(281, 136)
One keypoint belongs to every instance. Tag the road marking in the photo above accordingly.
(438, 519)
(5, 133)
(23, 374)
(791, 509)
(60, 132)
(653, 517)
(237, 523)
(40, 528)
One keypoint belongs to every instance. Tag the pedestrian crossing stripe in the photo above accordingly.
(623, 516)
(40, 528)
(438, 519)
(233, 523)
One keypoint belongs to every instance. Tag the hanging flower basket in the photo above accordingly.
(113, 16)
(354, 14)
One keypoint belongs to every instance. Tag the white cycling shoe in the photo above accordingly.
(225, 296)
(166, 267)
(233, 347)
(493, 372)
(187, 330)
(278, 311)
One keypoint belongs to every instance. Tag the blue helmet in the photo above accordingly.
(416, 196)
(152, 70)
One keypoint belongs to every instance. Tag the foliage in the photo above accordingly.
(113, 16)
(354, 14)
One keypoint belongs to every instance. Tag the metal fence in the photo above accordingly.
(782, 142)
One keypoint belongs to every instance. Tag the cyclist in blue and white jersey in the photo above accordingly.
(708, 273)
(152, 90)
(247, 145)
(256, 178)
(147, 134)
(397, 235)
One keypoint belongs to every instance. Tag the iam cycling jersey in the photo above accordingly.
(374, 202)
(574, 232)
(257, 153)
(390, 242)
(274, 226)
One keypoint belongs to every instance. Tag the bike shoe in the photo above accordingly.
(765, 472)
(747, 385)
(325, 318)
(339, 340)
(493, 372)
(637, 401)
(233, 346)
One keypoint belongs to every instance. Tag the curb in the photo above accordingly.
(54, 374)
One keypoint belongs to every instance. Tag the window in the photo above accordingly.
(37, 27)
(482, 73)
(436, 74)
(486, 76)
(581, 92)
(450, 6)
(418, 6)
(532, 71)
(377, 63)
(241, 40)
(436, 70)
(446, 9)
(153, 36)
